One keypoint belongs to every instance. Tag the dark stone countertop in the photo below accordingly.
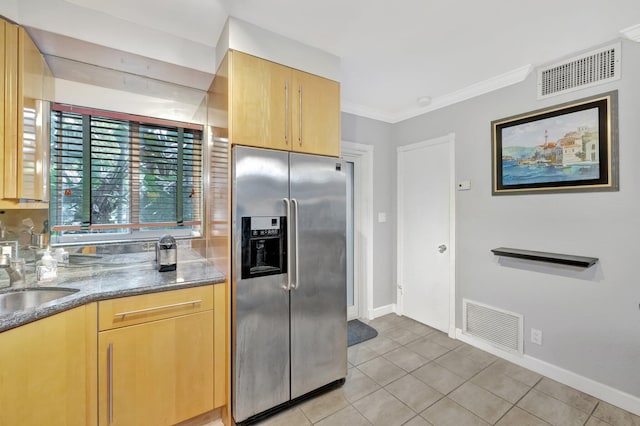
(110, 278)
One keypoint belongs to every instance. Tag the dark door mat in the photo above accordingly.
(358, 332)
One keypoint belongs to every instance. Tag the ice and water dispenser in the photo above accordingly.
(264, 249)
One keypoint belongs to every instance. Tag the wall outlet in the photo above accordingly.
(536, 336)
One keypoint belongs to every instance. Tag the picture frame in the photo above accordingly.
(572, 147)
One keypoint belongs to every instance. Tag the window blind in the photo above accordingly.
(118, 174)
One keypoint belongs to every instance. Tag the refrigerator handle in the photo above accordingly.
(294, 203)
(287, 285)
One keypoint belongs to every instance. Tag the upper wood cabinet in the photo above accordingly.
(274, 106)
(25, 116)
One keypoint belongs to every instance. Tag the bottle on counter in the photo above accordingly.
(61, 256)
(46, 268)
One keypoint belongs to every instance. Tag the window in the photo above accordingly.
(117, 176)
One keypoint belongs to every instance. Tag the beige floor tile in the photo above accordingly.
(358, 385)
(381, 370)
(382, 408)
(413, 392)
(406, 359)
(443, 340)
(480, 402)
(516, 372)
(420, 329)
(427, 348)
(439, 378)
(594, 421)
(402, 335)
(381, 345)
(518, 417)
(360, 353)
(385, 322)
(615, 416)
(564, 393)
(501, 385)
(552, 410)
(461, 365)
(348, 416)
(291, 417)
(447, 413)
(324, 405)
(417, 421)
(476, 354)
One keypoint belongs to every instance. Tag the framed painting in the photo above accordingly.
(571, 147)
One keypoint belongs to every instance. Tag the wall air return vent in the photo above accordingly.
(588, 69)
(495, 326)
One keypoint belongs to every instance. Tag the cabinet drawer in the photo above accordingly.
(124, 311)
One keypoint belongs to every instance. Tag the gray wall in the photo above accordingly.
(589, 318)
(378, 134)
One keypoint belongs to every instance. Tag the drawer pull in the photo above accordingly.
(157, 308)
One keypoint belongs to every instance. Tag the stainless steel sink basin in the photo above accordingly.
(19, 300)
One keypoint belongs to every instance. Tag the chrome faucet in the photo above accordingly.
(14, 267)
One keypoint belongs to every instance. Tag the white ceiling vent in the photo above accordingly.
(588, 69)
(495, 326)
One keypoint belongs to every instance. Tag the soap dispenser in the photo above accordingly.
(46, 268)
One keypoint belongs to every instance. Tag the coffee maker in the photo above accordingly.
(166, 253)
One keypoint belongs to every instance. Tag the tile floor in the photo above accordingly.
(414, 375)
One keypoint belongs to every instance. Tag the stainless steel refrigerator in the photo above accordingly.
(289, 324)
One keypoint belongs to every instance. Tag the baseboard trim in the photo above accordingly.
(599, 390)
(382, 310)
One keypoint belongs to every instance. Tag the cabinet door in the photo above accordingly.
(48, 371)
(316, 115)
(32, 144)
(260, 97)
(157, 373)
(10, 160)
(26, 134)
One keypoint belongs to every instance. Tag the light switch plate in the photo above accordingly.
(382, 217)
(464, 185)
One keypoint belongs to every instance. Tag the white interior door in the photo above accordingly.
(359, 170)
(353, 287)
(425, 212)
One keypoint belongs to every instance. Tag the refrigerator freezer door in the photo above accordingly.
(318, 301)
(260, 307)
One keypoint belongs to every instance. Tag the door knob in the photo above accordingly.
(442, 248)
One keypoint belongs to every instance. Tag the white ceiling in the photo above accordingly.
(392, 52)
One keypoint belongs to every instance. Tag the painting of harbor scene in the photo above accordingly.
(563, 148)
(558, 148)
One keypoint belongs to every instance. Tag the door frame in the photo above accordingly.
(450, 140)
(362, 157)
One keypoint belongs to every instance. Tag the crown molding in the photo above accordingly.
(489, 85)
(366, 112)
(632, 33)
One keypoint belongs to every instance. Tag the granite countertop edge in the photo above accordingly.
(94, 286)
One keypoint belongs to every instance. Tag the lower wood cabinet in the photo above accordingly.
(153, 359)
(47, 376)
(159, 372)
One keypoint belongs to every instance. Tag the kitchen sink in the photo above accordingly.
(22, 299)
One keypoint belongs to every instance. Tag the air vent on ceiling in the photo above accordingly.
(588, 69)
(495, 326)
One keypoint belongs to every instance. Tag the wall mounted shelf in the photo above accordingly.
(543, 256)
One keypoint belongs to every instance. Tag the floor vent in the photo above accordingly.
(496, 326)
(588, 69)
